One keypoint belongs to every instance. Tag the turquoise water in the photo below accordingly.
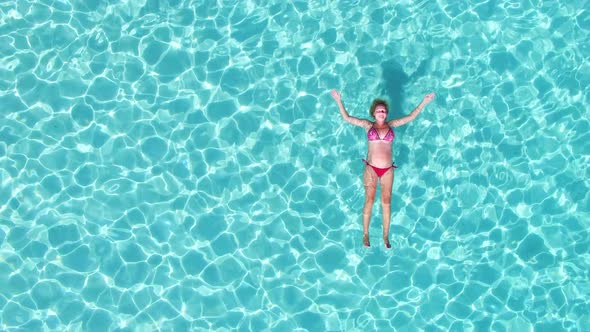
(180, 166)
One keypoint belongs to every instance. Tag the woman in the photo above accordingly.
(379, 165)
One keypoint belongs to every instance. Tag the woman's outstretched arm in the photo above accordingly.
(403, 120)
(350, 119)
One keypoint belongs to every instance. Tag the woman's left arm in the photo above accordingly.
(403, 120)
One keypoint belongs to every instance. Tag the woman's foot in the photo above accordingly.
(386, 242)
(366, 242)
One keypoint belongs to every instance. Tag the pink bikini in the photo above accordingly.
(373, 135)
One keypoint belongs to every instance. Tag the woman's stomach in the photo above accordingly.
(379, 154)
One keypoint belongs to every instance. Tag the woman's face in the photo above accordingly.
(380, 112)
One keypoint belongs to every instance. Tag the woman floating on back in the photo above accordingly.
(379, 164)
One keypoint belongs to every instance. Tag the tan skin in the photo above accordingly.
(379, 155)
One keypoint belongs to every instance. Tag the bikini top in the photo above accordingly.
(373, 135)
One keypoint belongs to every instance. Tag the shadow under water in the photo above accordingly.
(395, 80)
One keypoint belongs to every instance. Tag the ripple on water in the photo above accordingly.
(469, 195)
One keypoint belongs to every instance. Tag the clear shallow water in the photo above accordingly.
(181, 166)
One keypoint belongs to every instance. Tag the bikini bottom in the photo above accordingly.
(380, 171)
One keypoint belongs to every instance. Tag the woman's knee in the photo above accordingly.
(386, 199)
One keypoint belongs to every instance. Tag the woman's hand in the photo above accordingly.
(336, 95)
(428, 98)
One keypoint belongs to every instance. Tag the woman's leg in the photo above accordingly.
(370, 183)
(386, 185)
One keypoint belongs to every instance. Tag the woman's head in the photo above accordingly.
(379, 105)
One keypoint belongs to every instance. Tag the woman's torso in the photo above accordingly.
(380, 143)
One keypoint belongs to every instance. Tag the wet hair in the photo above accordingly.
(376, 103)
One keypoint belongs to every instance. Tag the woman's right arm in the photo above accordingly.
(350, 119)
